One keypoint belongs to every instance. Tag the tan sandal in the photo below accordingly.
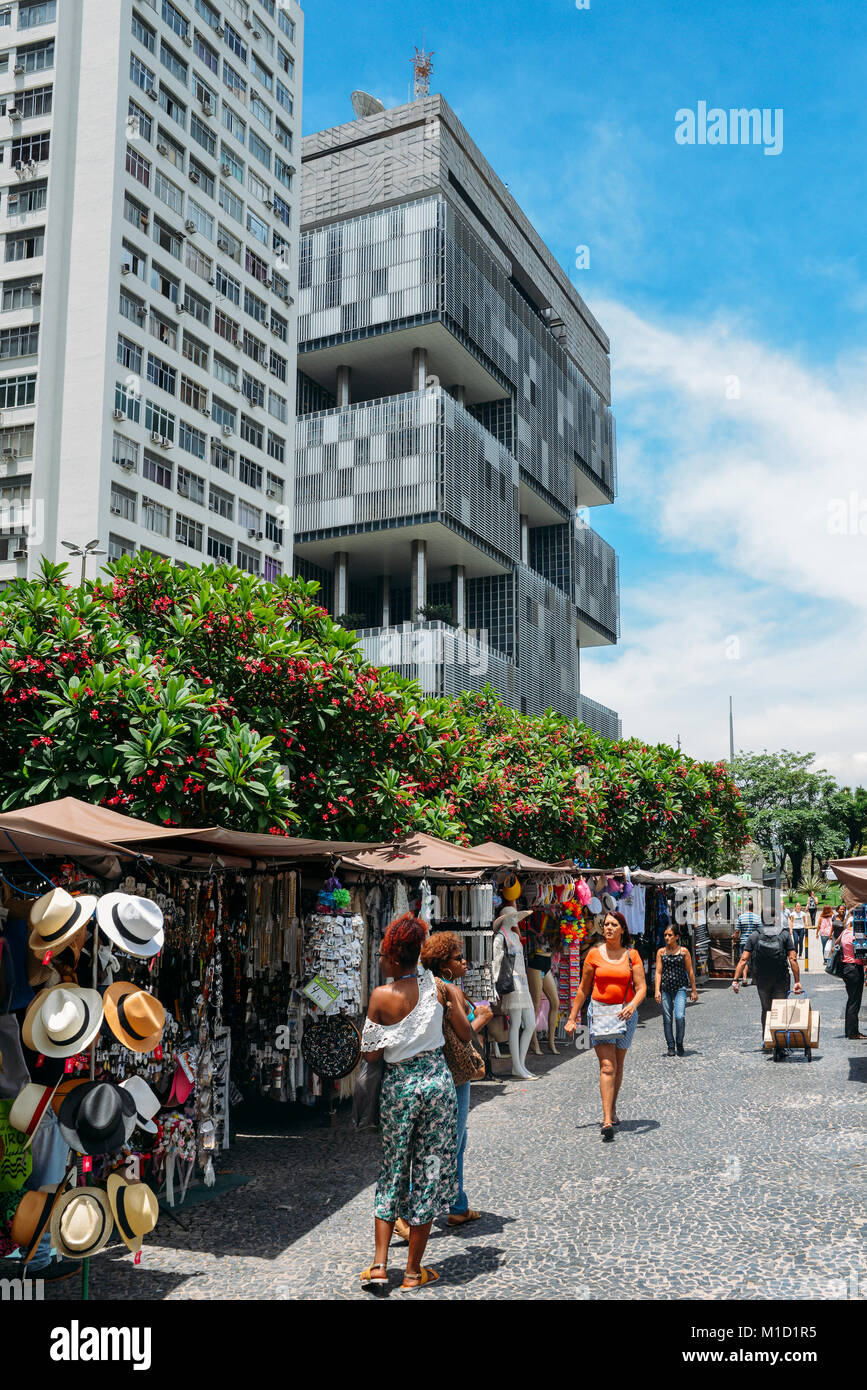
(461, 1218)
(402, 1228)
(368, 1277)
(424, 1276)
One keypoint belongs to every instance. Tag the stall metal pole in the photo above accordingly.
(85, 1264)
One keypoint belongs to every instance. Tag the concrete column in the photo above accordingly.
(341, 583)
(460, 394)
(419, 369)
(459, 594)
(385, 598)
(525, 540)
(418, 580)
(344, 376)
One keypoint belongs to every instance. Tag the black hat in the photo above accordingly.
(97, 1117)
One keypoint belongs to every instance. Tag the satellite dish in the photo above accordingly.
(363, 104)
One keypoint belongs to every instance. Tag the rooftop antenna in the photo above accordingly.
(422, 67)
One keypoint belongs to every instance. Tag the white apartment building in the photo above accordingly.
(149, 189)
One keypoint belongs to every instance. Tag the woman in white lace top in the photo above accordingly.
(418, 1108)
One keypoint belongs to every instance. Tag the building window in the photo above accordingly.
(144, 33)
(208, 13)
(286, 24)
(235, 82)
(164, 331)
(204, 94)
(139, 125)
(157, 470)
(284, 136)
(275, 487)
(276, 448)
(234, 124)
(223, 415)
(138, 166)
(167, 239)
(22, 294)
(278, 406)
(135, 212)
(195, 351)
(224, 371)
(134, 262)
(251, 432)
(17, 391)
(191, 440)
(173, 107)
(202, 134)
(6, 17)
(220, 502)
(277, 365)
(223, 458)
(228, 286)
(249, 560)
(260, 149)
(286, 61)
(118, 546)
(253, 390)
(254, 348)
(123, 502)
(206, 54)
(231, 204)
(124, 452)
(203, 220)
(265, 76)
(30, 16)
(161, 374)
(235, 43)
(200, 175)
(31, 148)
(233, 167)
(30, 198)
(175, 64)
(284, 96)
(37, 102)
(188, 532)
(250, 473)
(191, 486)
(282, 210)
(280, 327)
(129, 354)
(19, 342)
(172, 150)
(156, 517)
(273, 529)
(283, 171)
(258, 187)
(228, 243)
(193, 395)
(197, 306)
(140, 73)
(128, 399)
(255, 307)
(273, 568)
(226, 327)
(168, 193)
(260, 111)
(175, 20)
(131, 308)
(166, 285)
(159, 421)
(219, 547)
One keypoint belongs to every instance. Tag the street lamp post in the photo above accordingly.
(81, 552)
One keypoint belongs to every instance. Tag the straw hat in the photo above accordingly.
(146, 1103)
(62, 1020)
(134, 925)
(28, 1108)
(32, 1217)
(81, 1223)
(56, 917)
(97, 1118)
(135, 1017)
(510, 917)
(135, 1209)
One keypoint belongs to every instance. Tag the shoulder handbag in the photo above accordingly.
(462, 1059)
(506, 973)
(834, 963)
(365, 1096)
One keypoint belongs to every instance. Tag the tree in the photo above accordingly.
(848, 813)
(207, 695)
(788, 807)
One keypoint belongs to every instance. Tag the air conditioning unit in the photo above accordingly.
(21, 552)
(114, 509)
(162, 149)
(183, 490)
(165, 442)
(190, 225)
(248, 23)
(187, 40)
(35, 287)
(10, 453)
(252, 534)
(207, 109)
(269, 205)
(276, 547)
(225, 170)
(222, 245)
(155, 437)
(257, 33)
(14, 114)
(206, 411)
(153, 94)
(19, 69)
(195, 176)
(212, 280)
(219, 31)
(125, 268)
(127, 465)
(119, 415)
(235, 386)
(227, 430)
(269, 492)
(268, 283)
(19, 166)
(179, 309)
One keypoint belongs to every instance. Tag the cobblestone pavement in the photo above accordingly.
(708, 1192)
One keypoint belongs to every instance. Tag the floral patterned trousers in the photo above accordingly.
(418, 1176)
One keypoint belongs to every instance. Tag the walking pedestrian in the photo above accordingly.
(798, 927)
(771, 952)
(825, 924)
(443, 955)
(418, 1107)
(614, 980)
(812, 907)
(853, 979)
(674, 975)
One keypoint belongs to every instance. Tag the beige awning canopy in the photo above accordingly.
(517, 859)
(420, 855)
(852, 874)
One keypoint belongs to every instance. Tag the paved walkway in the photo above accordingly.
(709, 1190)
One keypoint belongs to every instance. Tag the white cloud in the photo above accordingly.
(741, 492)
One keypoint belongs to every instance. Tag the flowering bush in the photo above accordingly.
(207, 695)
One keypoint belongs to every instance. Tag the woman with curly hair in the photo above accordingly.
(418, 1108)
(443, 955)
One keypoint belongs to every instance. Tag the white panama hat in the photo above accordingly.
(134, 925)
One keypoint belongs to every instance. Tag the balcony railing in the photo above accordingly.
(445, 660)
(363, 466)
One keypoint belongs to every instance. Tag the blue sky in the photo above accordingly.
(733, 287)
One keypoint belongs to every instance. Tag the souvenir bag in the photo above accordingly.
(506, 972)
(365, 1097)
(605, 1020)
(462, 1059)
(834, 962)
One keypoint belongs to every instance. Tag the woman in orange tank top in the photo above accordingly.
(614, 980)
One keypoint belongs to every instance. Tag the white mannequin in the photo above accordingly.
(519, 1004)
